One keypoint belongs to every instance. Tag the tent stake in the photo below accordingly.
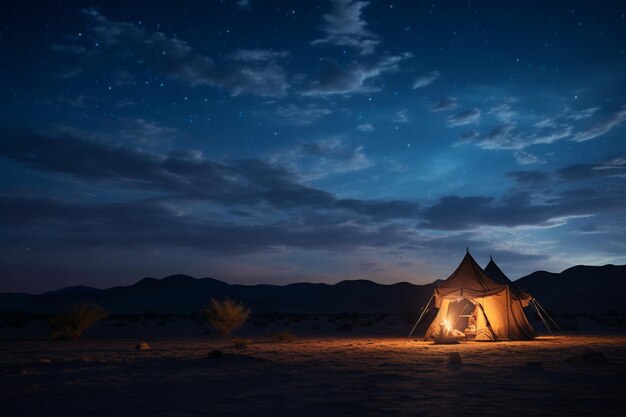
(419, 319)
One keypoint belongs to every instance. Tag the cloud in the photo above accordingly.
(464, 118)
(302, 115)
(525, 207)
(469, 135)
(401, 116)
(344, 26)
(382, 210)
(248, 72)
(426, 80)
(580, 114)
(603, 127)
(322, 158)
(257, 55)
(365, 127)
(563, 132)
(463, 213)
(500, 138)
(157, 225)
(355, 77)
(509, 135)
(70, 73)
(445, 104)
(613, 168)
(185, 175)
(503, 112)
(147, 132)
(525, 158)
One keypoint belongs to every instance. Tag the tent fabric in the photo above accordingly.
(467, 281)
(494, 272)
(497, 305)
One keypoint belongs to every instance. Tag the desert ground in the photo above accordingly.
(338, 373)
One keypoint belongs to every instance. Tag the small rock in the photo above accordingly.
(214, 354)
(590, 357)
(86, 359)
(143, 346)
(45, 360)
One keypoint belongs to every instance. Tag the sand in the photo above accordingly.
(311, 377)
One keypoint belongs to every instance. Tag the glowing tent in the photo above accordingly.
(475, 305)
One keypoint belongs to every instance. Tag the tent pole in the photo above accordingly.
(544, 321)
(547, 315)
(419, 319)
(508, 310)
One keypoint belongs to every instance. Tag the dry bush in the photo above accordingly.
(239, 343)
(226, 315)
(75, 320)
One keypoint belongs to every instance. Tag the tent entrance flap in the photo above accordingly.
(456, 317)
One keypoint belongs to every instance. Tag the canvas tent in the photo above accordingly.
(494, 272)
(490, 308)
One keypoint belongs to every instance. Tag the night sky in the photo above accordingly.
(272, 142)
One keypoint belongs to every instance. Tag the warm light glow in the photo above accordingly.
(446, 325)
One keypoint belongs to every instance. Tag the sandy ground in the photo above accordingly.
(311, 377)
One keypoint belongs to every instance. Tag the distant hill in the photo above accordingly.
(589, 289)
(185, 294)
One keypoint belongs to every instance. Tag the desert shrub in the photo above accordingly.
(282, 337)
(239, 343)
(75, 320)
(226, 315)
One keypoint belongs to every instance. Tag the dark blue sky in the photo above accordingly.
(257, 141)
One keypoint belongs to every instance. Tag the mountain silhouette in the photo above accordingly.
(589, 289)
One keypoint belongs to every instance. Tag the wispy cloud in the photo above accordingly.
(147, 132)
(580, 114)
(345, 26)
(526, 158)
(302, 115)
(426, 80)
(603, 127)
(464, 118)
(246, 72)
(322, 158)
(355, 77)
(257, 55)
(401, 116)
(365, 127)
(445, 104)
